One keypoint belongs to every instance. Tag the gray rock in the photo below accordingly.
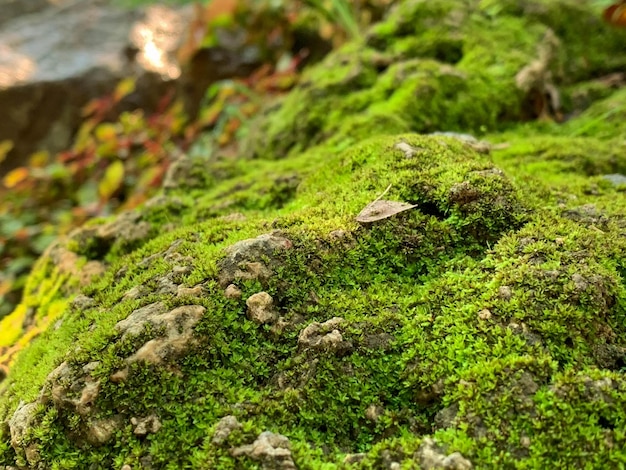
(616, 178)
(146, 425)
(252, 258)
(232, 292)
(445, 418)
(135, 323)
(100, 431)
(21, 422)
(323, 336)
(82, 302)
(225, 426)
(96, 241)
(178, 325)
(431, 457)
(56, 56)
(352, 459)
(272, 450)
(261, 308)
(71, 388)
(182, 174)
(135, 293)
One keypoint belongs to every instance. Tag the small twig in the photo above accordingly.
(379, 197)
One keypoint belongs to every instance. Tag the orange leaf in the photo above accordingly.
(616, 14)
(15, 177)
(106, 132)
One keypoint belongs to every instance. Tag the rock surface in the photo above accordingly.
(54, 57)
(279, 332)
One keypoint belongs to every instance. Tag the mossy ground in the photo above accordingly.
(492, 316)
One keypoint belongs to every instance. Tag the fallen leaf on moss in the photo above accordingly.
(380, 209)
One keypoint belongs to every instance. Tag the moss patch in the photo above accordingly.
(489, 317)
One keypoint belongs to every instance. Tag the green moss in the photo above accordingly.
(490, 316)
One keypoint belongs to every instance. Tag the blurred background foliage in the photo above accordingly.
(118, 160)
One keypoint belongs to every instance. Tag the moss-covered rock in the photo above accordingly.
(251, 319)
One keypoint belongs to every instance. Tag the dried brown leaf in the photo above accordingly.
(381, 209)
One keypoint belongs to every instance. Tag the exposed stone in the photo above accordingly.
(505, 292)
(617, 179)
(225, 426)
(181, 174)
(446, 416)
(484, 314)
(54, 60)
(100, 431)
(120, 376)
(161, 200)
(409, 151)
(178, 325)
(82, 302)
(71, 388)
(135, 323)
(324, 336)
(136, 292)
(126, 228)
(580, 282)
(430, 457)
(261, 308)
(463, 193)
(252, 258)
(68, 262)
(339, 235)
(20, 423)
(374, 412)
(233, 292)
(195, 291)
(272, 450)
(352, 459)
(146, 425)
(456, 461)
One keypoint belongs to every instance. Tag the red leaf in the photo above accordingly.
(616, 14)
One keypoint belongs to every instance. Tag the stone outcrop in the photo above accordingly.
(55, 57)
(267, 327)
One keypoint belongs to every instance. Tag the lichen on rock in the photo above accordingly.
(482, 328)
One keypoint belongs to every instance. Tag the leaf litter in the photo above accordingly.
(380, 209)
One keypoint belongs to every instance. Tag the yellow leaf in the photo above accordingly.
(106, 132)
(112, 180)
(15, 177)
(11, 326)
(5, 147)
(39, 159)
(124, 88)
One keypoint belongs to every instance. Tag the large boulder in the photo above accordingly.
(357, 296)
(57, 56)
